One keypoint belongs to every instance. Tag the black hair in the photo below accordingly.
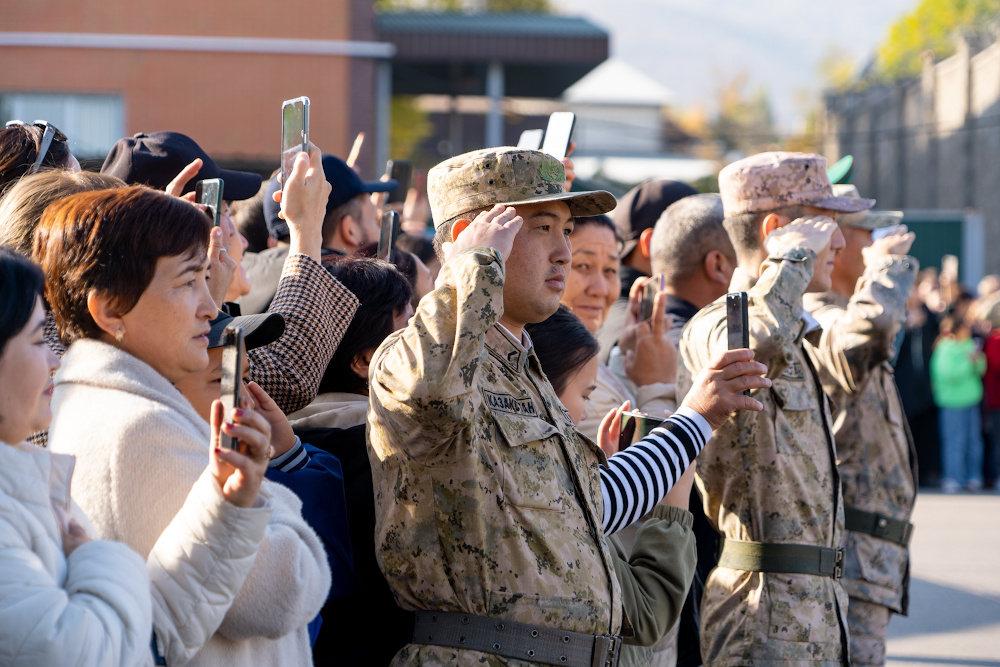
(248, 216)
(421, 246)
(599, 220)
(383, 292)
(21, 284)
(563, 346)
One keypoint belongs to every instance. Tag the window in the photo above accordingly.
(93, 123)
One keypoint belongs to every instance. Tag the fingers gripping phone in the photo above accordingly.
(294, 134)
(737, 323)
(649, 298)
(387, 236)
(558, 134)
(209, 193)
(232, 379)
(399, 171)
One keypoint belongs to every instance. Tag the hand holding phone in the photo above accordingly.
(232, 378)
(294, 133)
(737, 323)
(649, 298)
(636, 426)
(209, 193)
(558, 134)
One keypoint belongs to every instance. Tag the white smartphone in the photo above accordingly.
(531, 139)
(294, 133)
(559, 133)
(883, 232)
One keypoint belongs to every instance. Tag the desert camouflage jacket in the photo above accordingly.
(877, 460)
(771, 476)
(487, 499)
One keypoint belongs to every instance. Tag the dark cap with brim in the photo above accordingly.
(258, 330)
(155, 159)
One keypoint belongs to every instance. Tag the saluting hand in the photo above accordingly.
(813, 233)
(495, 228)
(716, 392)
(894, 244)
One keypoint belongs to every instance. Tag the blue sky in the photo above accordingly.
(692, 45)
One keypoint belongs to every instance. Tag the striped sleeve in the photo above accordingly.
(293, 460)
(637, 478)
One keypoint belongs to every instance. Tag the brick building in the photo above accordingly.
(215, 70)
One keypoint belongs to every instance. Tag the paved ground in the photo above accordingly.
(954, 616)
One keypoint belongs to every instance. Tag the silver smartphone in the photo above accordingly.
(531, 139)
(209, 193)
(232, 379)
(387, 236)
(737, 322)
(294, 133)
(559, 133)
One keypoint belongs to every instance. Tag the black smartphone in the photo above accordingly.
(232, 379)
(559, 133)
(209, 193)
(531, 139)
(294, 133)
(737, 322)
(399, 171)
(387, 236)
(636, 426)
(649, 293)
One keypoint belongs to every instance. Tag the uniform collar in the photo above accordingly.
(512, 352)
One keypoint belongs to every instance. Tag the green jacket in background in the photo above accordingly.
(957, 370)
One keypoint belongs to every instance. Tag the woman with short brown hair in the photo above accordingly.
(127, 280)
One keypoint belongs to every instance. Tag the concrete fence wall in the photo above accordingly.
(931, 142)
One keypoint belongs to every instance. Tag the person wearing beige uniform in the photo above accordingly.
(861, 314)
(769, 480)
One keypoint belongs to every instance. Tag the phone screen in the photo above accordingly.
(387, 236)
(232, 379)
(636, 426)
(531, 139)
(399, 171)
(294, 133)
(209, 193)
(558, 134)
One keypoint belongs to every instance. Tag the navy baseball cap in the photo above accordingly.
(155, 159)
(346, 186)
(258, 330)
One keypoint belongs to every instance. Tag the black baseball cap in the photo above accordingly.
(258, 330)
(346, 186)
(643, 205)
(155, 159)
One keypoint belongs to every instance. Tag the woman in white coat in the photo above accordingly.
(127, 275)
(63, 597)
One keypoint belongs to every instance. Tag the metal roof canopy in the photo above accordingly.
(450, 53)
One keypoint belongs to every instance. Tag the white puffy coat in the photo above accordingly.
(92, 608)
(141, 453)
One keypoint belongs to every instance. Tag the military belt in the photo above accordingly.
(878, 525)
(519, 641)
(785, 558)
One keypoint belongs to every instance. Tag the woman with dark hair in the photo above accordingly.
(655, 577)
(61, 593)
(27, 149)
(593, 284)
(127, 280)
(335, 422)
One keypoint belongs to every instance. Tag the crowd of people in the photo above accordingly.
(431, 465)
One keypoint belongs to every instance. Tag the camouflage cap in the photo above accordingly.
(865, 219)
(505, 176)
(767, 181)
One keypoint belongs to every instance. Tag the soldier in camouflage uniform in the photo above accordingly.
(488, 501)
(769, 480)
(861, 315)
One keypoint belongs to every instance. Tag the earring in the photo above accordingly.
(119, 335)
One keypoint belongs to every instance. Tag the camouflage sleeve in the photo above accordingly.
(423, 378)
(858, 338)
(317, 311)
(775, 311)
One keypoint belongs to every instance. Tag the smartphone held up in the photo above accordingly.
(232, 379)
(737, 323)
(294, 134)
(209, 193)
(387, 236)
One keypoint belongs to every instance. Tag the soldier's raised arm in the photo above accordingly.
(857, 337)
(424, 374)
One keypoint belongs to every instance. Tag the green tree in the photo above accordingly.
(744, 121)
(931, 25)
(410, 127)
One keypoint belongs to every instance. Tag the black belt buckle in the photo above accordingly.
(607, 650)
(838, 564)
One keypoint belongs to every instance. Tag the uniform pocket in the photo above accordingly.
(802, 609)
(573, 614)
(795, 404)
(534, 475)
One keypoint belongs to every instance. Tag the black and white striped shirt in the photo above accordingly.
(637, 478)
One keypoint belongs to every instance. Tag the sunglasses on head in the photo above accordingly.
(50, 132)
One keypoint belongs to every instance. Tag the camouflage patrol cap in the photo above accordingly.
(865, 219)
(509, 176)
(768, 181)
